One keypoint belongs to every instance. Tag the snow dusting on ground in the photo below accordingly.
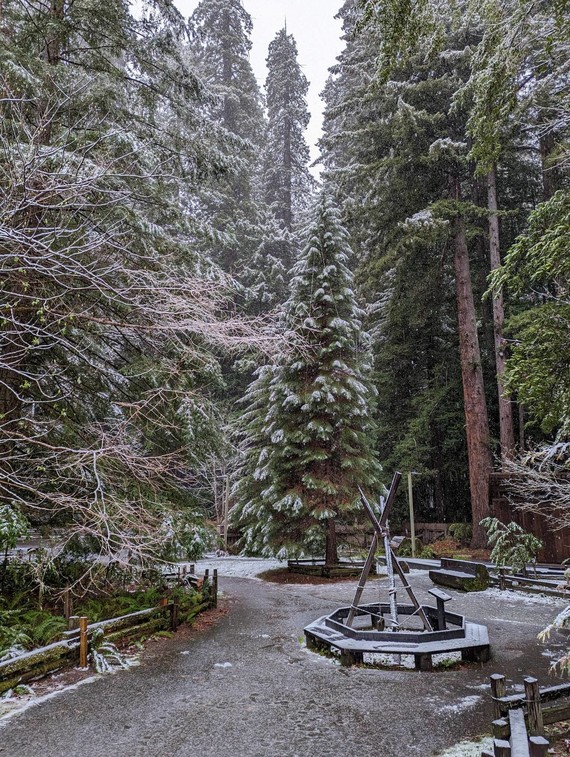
(528, 599)
(238, 567)
(13, 705)
(468, 748)
(464, 704)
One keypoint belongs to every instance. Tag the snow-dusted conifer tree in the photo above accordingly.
(288, 183)
(265, 279)
(309, 416)
(219, 51)
(109, 314)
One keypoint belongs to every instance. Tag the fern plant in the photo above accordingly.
(105, 655)
(511, 544)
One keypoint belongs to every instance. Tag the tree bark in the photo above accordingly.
(476, 418)
(506, 425)
(331, 546)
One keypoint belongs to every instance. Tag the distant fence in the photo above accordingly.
(556, 542)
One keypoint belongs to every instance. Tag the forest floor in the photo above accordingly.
(243, 684)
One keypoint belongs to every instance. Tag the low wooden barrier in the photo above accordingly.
(518, 727)
(317, 567)
(555, 587)
(461, 574)
(74, 644)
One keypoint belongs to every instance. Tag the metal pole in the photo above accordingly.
(412, 521)
(392, 584)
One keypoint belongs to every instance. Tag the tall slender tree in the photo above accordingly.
(220, 42)
(313, 448)
(288, 183)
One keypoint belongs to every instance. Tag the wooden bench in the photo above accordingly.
(461, 574)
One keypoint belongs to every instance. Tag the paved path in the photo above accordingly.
(247, 688)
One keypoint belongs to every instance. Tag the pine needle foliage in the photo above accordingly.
(511, 544)
(309, 416)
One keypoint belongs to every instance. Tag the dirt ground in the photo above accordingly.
(242, 683)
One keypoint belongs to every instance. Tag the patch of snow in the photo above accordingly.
(186, 651)
(527, 599)
(468, 748)
(223, 665)
(14, 706)
(445, 658)
(238, 567)
(550, 653)
(464, 704)
(406, 661)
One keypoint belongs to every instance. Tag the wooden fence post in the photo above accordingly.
(72, 622)
(174, 613)
(215, 588)
(83, 641)
(67, 604)
(502, 748)
(502, 585)
(532, 695)
(498, 690)
(538, 746)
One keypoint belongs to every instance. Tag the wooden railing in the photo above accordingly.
(518, 727)
(74, 644)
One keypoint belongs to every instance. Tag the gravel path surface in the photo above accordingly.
(247, 687)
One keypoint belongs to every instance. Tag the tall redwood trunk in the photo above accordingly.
(476, 419)
(506, 425)
(331, 546)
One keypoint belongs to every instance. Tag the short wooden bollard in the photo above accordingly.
(72, 622)
(500, 729)
(532, 696)
(502, 748)
(83, 641)
(498, 690)
(538, 746)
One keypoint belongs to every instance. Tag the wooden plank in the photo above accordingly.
(519, 735)
(363, 578)
(555, 713)
(410, 593)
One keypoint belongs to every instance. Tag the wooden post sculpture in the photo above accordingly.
(382, 531)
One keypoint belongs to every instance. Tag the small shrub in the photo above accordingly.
(511, 545)
(461, 532)
(405, 548)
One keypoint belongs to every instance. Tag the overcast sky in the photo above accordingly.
(316, 31)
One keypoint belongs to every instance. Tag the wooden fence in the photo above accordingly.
(518, 728)
(556, 542)
(74, 644)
